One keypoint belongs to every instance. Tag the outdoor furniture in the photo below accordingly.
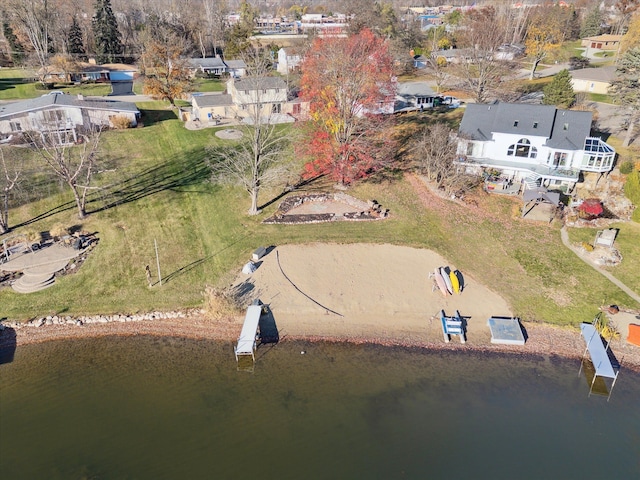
(634, 334)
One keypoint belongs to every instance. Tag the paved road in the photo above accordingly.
(565, 239)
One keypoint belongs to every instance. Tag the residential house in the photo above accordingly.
(420, 61)
(266, 93)
(454, 55)
(236, 68)
(593, 80)
(212, 108)
(535, 144)
(602, 42)
(63, 117)
(213, 66)
(412, 96)
(289, 60)
(216, 66)
(244, 96)
(91, 72)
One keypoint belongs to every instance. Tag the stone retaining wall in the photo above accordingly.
(370, 210)
(89, 319)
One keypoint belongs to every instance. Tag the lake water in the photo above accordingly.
(162, 408)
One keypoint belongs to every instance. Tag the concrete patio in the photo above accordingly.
(39, 267)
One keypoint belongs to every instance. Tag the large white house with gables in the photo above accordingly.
(536, 144)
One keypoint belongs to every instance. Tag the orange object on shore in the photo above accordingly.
(634, 334)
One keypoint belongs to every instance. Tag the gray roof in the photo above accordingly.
(257, 83)
(565, 129)
(209, 62)
(235, 63)
(218, 100)
(47, 101)
(415, 89)
(602, 74)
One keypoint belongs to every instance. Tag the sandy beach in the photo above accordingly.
(357, 293)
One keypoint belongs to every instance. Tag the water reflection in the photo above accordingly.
(172, 408)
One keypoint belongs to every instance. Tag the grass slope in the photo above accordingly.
(156, 188)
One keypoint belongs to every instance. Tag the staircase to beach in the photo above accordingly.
(532, 181)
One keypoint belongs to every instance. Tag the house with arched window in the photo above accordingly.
(535, 144)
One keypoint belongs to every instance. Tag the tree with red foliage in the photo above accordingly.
(591, 207)
(348, 83)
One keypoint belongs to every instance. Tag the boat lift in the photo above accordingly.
(602, 363)
(452, 325)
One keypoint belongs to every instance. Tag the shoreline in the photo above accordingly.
(543, 339)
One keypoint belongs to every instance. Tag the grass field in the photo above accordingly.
(157, 189)
(18, 84)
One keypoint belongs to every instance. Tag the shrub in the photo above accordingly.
(58, 231)
(221, 304)
(591, 207)
(626, 167)
(120, 122)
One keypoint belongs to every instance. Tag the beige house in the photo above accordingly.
(602, 42)
(593, 80)
(243, 99)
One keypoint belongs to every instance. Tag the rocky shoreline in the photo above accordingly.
(543, 340)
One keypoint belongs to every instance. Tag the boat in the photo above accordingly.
(455, 283)
(440, 281)
(447, 279)
(460, 278)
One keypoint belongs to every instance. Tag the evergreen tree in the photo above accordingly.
(76, 44)
(626, 89)
(592, 23)
(560, 91)
(17, 50)
(107, 36)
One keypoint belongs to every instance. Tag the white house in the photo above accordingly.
(414, 96)
(289, 60)
(536, 144)
(217, 66)
(63, 117)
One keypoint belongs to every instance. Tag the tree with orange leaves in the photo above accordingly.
(349, 84)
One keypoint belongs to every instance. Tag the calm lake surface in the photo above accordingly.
(162, 408)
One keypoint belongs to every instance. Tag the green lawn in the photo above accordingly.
(18, 84)
(600, 97)
(208, 85)
(158, 189)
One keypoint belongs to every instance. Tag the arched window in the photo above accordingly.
(522, 149)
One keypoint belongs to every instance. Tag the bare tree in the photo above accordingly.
(72, 164)
(215, 12)
(480, 68)
(434, 153)
(34, 20)
(260, 159)
(11, 173)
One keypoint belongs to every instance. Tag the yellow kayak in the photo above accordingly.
(455, 284)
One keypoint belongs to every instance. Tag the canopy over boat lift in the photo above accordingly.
(602, 363)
